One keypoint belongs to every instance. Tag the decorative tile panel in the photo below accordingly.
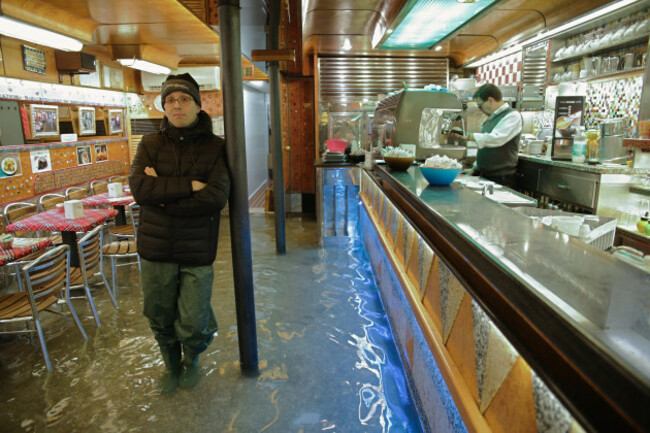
(495, 356)
(452, 293)
(502, 72)
(513, 407)
(552, 416)
(614, 98)
(461, 345)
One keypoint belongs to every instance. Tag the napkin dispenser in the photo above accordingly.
(73, 209)
(115, 189)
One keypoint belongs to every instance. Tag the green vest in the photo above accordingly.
(502, 160)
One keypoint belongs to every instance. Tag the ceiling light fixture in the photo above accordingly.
(37, 35)
(438, 48)
(423, 23)
(146, 66)
(550, 33)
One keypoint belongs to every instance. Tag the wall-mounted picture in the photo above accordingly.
(101, 153)
(115, 121)
(41, 160)
(87, 121)
(45, 120)
(83, 155)
(10, 165)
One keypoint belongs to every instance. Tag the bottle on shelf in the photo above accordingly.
(593, 146)
(579, 146)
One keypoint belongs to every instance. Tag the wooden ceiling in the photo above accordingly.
(163, 31)
(177, 33)
(328, 23)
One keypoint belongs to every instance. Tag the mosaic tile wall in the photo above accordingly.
(495, 388)
(614, 98)
(502, 72)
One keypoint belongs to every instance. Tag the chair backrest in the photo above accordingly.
(119, 178)
(16, 211)
(90, 249)
(48, 275)
(135, 217)
(99, 186)
(75, 192)
(49, 201)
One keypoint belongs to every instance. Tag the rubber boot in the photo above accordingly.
(172, 357)
(190, 372)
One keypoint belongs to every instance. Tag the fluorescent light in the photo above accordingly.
(426, 22)
(438, 48)
(579, 21)
(550, 33)
(143, 65)
(37, 35)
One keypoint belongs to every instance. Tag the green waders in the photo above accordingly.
(177, 304)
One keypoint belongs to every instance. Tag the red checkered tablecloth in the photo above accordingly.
(23, 247)
(104, 200)
(54, 220)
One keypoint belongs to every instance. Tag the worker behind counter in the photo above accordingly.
(498, 141)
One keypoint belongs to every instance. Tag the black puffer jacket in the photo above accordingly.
(176, 224)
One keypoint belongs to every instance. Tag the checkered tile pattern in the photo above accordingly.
(502, 72)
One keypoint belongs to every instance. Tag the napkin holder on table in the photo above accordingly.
(115, 189)
(73, 209)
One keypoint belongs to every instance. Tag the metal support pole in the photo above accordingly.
(233, 102)
(276, 130)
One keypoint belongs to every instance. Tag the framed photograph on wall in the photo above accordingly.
(45, 120)
(87, 121)
(84, 157)
(115, 121)
(101, 153)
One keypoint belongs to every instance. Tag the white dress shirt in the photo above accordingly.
(509, 126)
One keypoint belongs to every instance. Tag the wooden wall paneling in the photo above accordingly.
(12, 54)
(284, 121)
(295, 97)
(308, 136)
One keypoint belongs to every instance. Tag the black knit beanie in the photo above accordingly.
(181, 83)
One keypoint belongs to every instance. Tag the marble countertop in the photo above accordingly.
(606, 298)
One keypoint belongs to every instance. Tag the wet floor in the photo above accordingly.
(326, 355)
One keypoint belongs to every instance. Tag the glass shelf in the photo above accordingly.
(618, 74)
(605, 48)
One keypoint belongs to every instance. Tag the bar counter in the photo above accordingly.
(578, 316)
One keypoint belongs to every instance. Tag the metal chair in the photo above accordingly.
(49, 201)
(121, 178)
(18, 210)
(47, 283)
(76, 192)
(91, 265)
(126, 248)
(98, 186)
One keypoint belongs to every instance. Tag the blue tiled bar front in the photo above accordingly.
(504, 314)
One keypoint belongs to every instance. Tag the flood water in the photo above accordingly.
(326, 354)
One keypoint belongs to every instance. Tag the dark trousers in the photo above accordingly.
(177, 303)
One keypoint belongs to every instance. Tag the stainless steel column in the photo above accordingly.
(240, 235)
(276, 129)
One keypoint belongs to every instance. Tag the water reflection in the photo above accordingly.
(327, 359)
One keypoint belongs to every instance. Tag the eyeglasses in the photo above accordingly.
(184, 100)
(480, 105)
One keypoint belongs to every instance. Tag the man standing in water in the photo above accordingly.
(180, 179)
